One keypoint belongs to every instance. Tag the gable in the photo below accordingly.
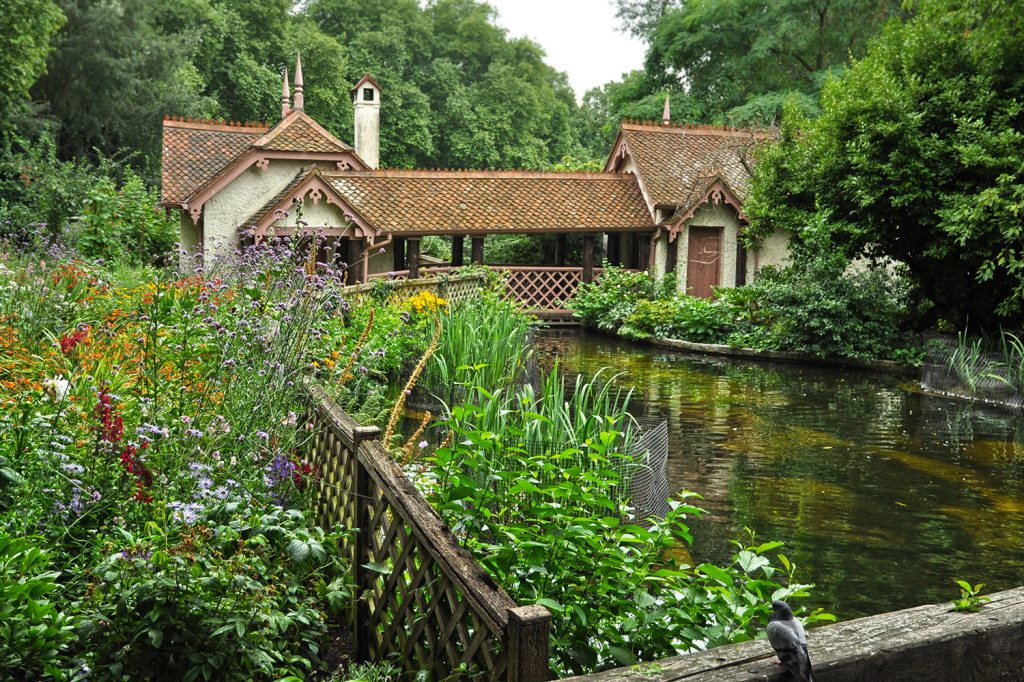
(674, 162)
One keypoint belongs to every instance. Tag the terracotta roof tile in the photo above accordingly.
(675, 162)
(196, 151)
(302, 135)
(492, 201)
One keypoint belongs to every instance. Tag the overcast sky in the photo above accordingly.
(581, 37)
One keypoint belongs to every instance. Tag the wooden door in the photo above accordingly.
(703, 260)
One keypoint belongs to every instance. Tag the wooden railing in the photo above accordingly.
(422, 600)
(540, 289)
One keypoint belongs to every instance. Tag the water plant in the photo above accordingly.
(1012, 347)
(554, 529)
(967, 362)
(484, 342)
(970, 596)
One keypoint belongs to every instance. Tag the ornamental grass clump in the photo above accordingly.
(485, 342)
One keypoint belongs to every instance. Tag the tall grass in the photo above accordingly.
(484, 342)
(967, 361)
(561, 416)
(1012, 347)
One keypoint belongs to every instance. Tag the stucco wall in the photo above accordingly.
(711, 215)
(774, 251)
(225, 212)
(190, 236)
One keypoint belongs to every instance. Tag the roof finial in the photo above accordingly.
(666, 115)
(299, 99)
(286, 97)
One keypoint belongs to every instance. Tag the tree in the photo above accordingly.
(112, 77)
(29, 26)
(750, 52)
(918, 156)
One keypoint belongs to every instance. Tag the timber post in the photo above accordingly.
(457, 250)
(477, 255)
(529, 635)
(361, 547)
(588, 258)
(561, 247)
(414, 257)
(398, 247)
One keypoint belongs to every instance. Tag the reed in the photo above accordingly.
(484, 343)
(967, 361)
(561, 416)
(1012, 347)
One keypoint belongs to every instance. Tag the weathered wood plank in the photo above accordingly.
(925, 643)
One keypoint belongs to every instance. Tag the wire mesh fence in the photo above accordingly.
(970, 369)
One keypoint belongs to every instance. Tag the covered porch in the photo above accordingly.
(543, 290)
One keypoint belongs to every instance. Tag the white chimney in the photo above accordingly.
(366, 103)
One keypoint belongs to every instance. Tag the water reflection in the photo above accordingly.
(881, 494)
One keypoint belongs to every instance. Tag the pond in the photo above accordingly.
(882, 495)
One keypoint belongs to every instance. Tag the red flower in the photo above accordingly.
(68, 342)
(111, 427)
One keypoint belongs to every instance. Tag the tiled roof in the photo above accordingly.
(492, 201)
(675, 161)
(299, 133)
(195, 151)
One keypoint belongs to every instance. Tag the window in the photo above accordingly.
(367, 94)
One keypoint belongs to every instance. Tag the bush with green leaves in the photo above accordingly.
(824, 307)
(33, 631)
(552, 530)
(681, 317)
(607, 303)
(233, 596)
(124, 224)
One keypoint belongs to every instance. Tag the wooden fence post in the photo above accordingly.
(361, 547)
(529, 632)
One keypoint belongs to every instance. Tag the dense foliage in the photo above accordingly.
(553, 529)
(457, 91)
(823, 306)
(918, 155)
(151, 446)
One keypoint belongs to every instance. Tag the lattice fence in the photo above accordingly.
(424, 601)
(451, 287)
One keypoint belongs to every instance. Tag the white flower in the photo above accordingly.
(57, 388)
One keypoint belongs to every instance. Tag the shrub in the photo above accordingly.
(681, 317)
(550, 529)
(607, 303)
(823, 307)
(33, 633)
(124, 224)
(234, 596)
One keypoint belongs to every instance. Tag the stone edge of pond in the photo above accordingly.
(787, 357)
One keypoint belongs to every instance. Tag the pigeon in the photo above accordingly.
(787, 637)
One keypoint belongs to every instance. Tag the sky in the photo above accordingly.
(580, 37)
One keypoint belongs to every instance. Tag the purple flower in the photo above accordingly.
(263, 435)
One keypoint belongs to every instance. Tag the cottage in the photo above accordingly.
(670, 198)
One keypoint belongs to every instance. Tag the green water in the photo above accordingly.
(882, 495)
